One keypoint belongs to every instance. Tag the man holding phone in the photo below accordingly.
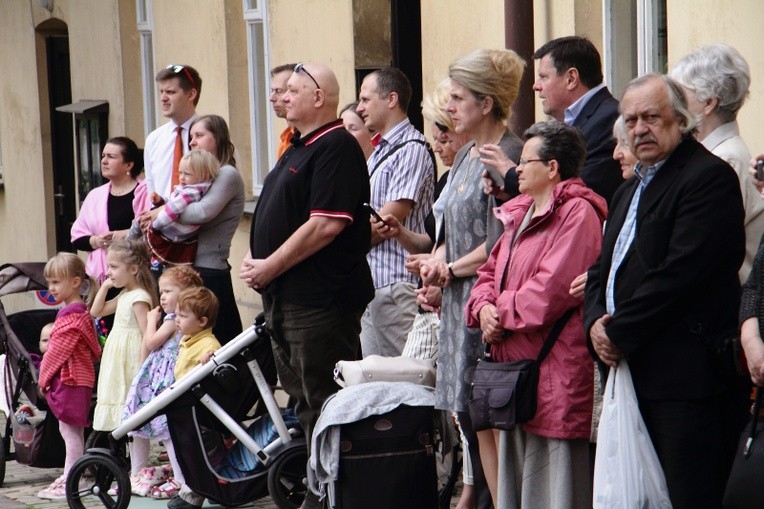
(402, 178)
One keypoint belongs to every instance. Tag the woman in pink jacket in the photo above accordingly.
(552, 233)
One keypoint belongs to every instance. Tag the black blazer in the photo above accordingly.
(600, 172)
(677, 289)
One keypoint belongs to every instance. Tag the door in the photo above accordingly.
(62, 139)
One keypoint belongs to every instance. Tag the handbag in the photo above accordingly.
(744, 485)
(627, 472)
(504, 393)
(376, 368)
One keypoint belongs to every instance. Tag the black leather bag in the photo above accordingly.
(744, 485)
(504, 393)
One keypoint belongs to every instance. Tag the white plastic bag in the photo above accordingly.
(627, 473)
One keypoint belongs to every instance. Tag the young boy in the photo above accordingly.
(197, 310)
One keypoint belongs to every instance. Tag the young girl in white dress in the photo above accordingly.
(128, 268)
(157, 373)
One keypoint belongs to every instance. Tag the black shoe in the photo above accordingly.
(179, 503)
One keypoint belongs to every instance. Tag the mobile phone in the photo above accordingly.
(760, 169)
(373, 213)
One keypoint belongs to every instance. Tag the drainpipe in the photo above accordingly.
(518, 36)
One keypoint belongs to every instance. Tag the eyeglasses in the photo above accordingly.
(176, 68)
(300, 67)
(443, 128)
(523, 162)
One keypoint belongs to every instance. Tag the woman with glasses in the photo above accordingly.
(552, 233)
(483, 86)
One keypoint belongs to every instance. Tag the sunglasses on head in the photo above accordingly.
(300, 67)
(177, 68)
(443, 128)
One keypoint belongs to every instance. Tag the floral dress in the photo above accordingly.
(156, 374)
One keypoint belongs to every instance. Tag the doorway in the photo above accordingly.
(59, 86)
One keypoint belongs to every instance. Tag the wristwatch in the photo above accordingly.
(451, 269)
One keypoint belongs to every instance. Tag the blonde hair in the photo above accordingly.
(135, 252)
(435, 104)
(69, 266)
(202, 164)
(182, 275)
(494, 73)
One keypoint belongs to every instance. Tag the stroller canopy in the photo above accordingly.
(22, 277)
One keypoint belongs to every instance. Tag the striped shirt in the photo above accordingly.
(167, 221)
(408, 174)
(627, 233)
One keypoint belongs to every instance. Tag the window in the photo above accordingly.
(143, 15)
(635, 39)
(259, 85)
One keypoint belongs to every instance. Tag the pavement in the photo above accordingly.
(22, 482)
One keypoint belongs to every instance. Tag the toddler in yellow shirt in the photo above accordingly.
(196, 312)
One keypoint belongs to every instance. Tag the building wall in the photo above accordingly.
(726, 22)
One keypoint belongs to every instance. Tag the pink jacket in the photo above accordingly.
(92, 221)
(555, 247)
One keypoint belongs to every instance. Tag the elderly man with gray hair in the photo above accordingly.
(665, 291)
(715, 79)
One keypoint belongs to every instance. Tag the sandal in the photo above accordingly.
(165, 491)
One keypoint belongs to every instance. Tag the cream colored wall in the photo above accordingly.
(313, 31)
(711, 24)
(451, 28)
(25, 196)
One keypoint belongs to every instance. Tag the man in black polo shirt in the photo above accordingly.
(308, 245)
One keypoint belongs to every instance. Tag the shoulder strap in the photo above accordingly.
(554, 334)
(400, 146)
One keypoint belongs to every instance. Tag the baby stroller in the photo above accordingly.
(207, 412)
(33, 431)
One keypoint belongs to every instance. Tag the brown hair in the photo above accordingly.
(218, 127)
(188, 78)
(201, 302)
(135, 252)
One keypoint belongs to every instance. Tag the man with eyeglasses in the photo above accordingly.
(402, 177)
(308, 244)
(179, 90)
(279, 77)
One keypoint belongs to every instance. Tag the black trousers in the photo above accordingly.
(695, 441)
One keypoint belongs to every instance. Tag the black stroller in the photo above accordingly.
(206, 411)
(35, 436)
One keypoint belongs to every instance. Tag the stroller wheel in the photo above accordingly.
(90, 479)
(286, 476)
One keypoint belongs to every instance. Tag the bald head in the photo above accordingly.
(329, 84)
(312, 97)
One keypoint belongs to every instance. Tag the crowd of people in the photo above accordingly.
(630, 226)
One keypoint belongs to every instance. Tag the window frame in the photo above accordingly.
(259, 81)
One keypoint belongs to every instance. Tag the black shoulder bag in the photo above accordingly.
(504, 393)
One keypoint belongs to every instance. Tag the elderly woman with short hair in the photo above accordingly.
(715, 80)
(552, 233)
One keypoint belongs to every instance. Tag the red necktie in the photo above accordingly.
(376, 139)
(176, 157)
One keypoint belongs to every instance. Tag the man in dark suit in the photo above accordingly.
(665, 289)
(570, 87)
